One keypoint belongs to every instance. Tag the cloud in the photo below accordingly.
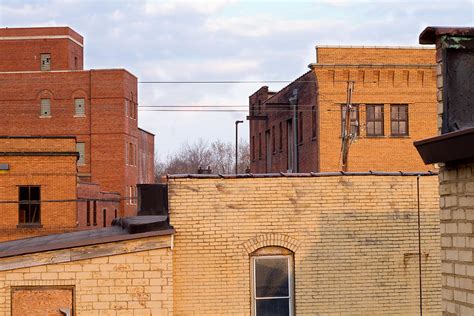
(152, 7)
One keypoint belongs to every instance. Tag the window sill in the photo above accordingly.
(29, 226)
(79, 115)
(375, 136)
(45, 116)
(400, 136)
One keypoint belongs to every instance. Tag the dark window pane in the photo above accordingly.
(378, 128)
(370, 128)
(271, 277)
(395, 128)
(370, 112)
(275, 307)
(402, 128)
(394, 113)
(402, 113)
(378, 112)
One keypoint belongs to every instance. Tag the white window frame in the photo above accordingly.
(45, 61)
(76, 106)
(81, 162)
(290, 282)
(45, 103)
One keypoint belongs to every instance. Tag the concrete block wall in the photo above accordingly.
(457, 238)
(354, 240)
(134, 283)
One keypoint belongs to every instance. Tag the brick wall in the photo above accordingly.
(353, 55)
(105, 202)
(20, 48)
(354, 240)
(457, 238)
(56, 176)
(377, 81)
(127, 283)
(413, 86)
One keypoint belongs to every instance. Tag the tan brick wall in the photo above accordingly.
(137, 283)
(374, 55)
(354, 240)
(457, 239)
(413, 86)
(56, 176)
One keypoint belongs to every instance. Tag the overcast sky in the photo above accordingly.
(224, 40)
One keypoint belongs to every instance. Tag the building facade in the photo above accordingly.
(453, 150)
(312, 244)
(37, 169)
(299, 128)
(45, 91)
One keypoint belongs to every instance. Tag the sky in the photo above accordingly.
(224, 40)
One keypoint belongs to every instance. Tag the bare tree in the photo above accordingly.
(219, 156)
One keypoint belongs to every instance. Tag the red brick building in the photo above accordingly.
(394, 102)
(45, 91)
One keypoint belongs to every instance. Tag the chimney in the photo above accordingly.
(455, 76)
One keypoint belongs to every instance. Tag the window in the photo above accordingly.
(131, 154)
(88, 213)
(259, 146)
(354, 119)
(115, 213)
(374, 120)
(281, 136)
(399, 120)
(29, 206)
(272, 284)
(81, 149)
(290, 147)
(45, 108)
(273, 140)
(132, 195)
(80, 107)
(104, 217)
(313, 121)
(300, 127)
(94, 213)
(45, 62)
(253, 148)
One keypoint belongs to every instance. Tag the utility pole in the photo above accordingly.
(347, 136)
(294, 103)
(237, 145)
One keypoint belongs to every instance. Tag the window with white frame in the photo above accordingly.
(45, 62)
(45, 108)
(80, 107)
(81, 149)
(272, 284)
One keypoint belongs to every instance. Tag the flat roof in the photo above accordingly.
(126, 229)
(299, 175)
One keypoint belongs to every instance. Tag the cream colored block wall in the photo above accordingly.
(457, 239)
(137, 283)
(354, 240)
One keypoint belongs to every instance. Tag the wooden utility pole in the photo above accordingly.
(347, 133)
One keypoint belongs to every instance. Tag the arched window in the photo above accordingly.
(272, 281)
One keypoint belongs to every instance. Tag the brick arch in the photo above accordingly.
(79, 93)
(45, 94)
(268, 240)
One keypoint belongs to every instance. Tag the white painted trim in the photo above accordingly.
(14, 38)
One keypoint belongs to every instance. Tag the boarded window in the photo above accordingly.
(81, 149)
(88, 213)
(273, 140)
(375, 119)
(399, 120)
(354, 119)
(45, 62)
(272, 291)
(45, 107)
(104, 217)
(280, 136)
(300, 127)
(259, 146)
(29, 206)
(42, 300)
(80, 107)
